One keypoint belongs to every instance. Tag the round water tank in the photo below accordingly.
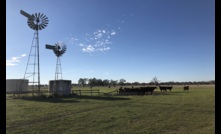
(13, 85)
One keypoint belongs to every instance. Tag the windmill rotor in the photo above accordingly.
(59, 49)
(36, 21)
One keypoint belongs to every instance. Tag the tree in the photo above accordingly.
(155, 81)
(122, 81)
(106, 82)
(135, 83)
(92, 82)
(99, 82)
(113, 82)
(82, 81)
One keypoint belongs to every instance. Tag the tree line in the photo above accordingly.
(122, 82)
(99, 82)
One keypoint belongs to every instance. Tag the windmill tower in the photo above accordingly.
(36, 22)
(59, 86)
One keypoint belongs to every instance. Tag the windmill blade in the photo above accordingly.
(40, 27)
(44, 16)
(31, 25)
(41, 15)
(33, 16)
(35, 27)
(43, 25)
(38, 15)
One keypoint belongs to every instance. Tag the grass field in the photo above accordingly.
(175, 112)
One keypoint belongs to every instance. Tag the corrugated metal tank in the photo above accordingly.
(13, 85)
(61, 87)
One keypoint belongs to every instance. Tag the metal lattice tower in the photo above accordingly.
(36, 22)
(58, 70)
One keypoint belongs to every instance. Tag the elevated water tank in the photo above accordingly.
(60, 87)
(13, 85)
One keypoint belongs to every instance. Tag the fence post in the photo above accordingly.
(91, 92)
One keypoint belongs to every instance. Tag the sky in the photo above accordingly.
(135, 40)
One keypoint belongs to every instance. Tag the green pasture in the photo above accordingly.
(175, 112)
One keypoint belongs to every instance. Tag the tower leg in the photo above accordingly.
(32, 71)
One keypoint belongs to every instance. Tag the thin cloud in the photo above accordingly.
(10, 64)
(97, 41)
(23, 55)
(113, 33)
(103, 49)
(14, 60)
(89, 48)
(81, 44)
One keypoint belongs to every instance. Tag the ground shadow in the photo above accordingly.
(50, 99)
(155, 93)
(109, 98)
(72, 98)
(170, 93)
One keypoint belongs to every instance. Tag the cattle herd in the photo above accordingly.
(145, 90)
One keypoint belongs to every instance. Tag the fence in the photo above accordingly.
(91, 92)
(112, 93)
(48, 93)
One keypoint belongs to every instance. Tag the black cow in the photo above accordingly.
(186, 88)
(132, 90)
(147, 89)
(165, 88)
(121, 90)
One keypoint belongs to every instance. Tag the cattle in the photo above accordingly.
(136, 91)
(165, 88)
(147, 89)
(132, 90)
(186, 88)
(121, 90)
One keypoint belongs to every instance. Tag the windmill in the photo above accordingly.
(59, 49)
(36, 22)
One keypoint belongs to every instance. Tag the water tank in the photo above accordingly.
(60, 87)
(13, 85)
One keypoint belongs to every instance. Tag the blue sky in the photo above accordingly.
(173, 40)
